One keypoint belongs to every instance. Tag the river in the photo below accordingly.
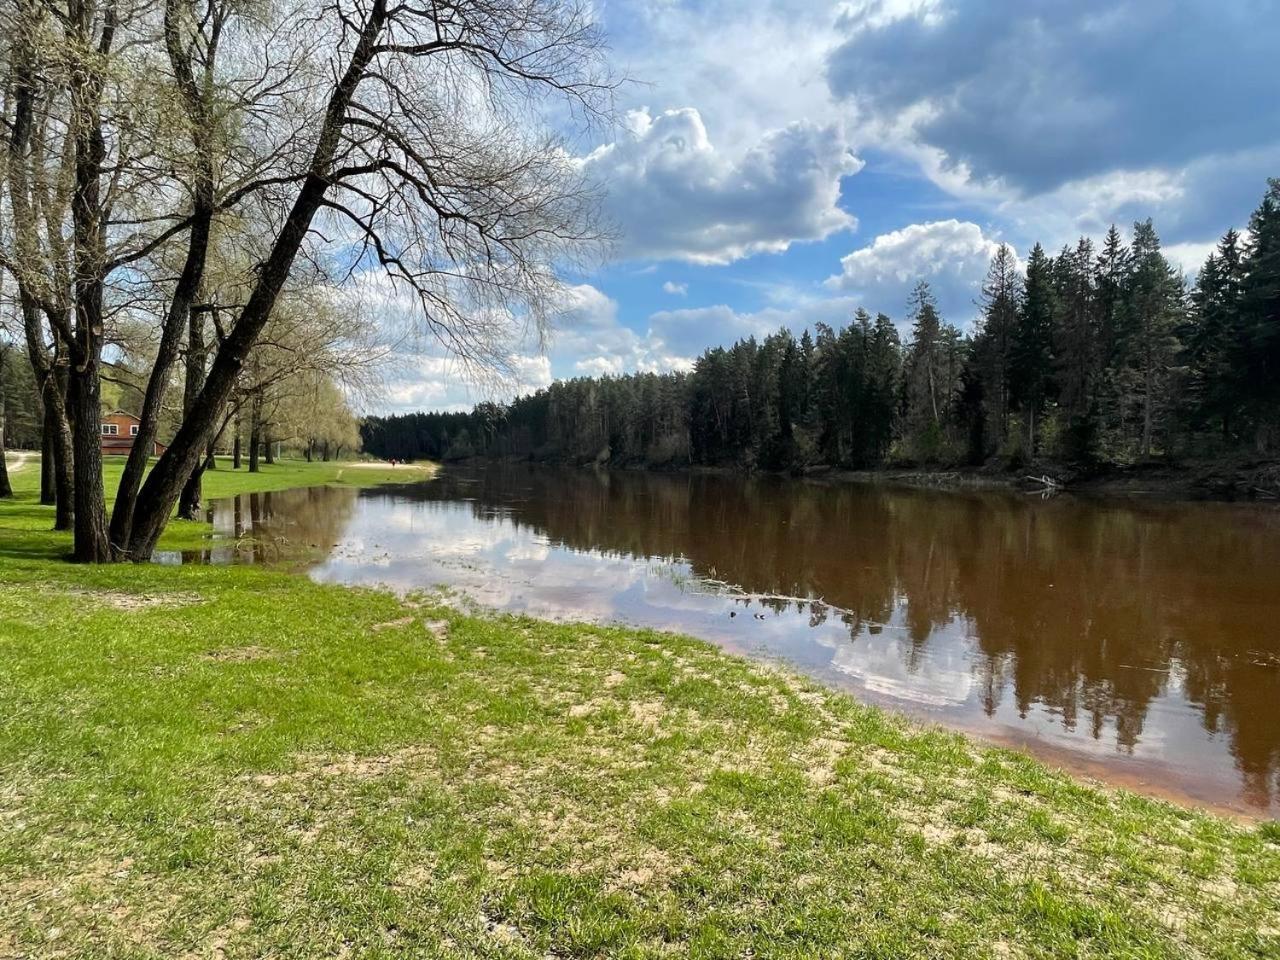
(1135, 642)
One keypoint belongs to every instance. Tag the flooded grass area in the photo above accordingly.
(239, 761)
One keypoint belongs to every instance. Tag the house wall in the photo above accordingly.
(119, 443)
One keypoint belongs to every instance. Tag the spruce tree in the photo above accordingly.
(1032, 373)
(1260, 303)
(1215, 352)
(994, 343)
(1153, 299)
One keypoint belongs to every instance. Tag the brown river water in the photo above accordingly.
(1135, 642)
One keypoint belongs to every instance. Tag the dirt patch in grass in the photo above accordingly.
(241, 654)
(391, 624)
(122, 600)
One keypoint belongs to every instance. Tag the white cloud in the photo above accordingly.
(686, 333)
(434, 381)
(675, 289)
(674, 195)
(749, 67)
(951, 255)
(601, 366)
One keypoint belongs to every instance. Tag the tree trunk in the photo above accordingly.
(84, 400)
(1146, 410)
(255, 434)
(6, 489)
(47, 367)
(189, 499)
(311, 445)
(186, 289)
(324, 451)
(61, 457)
(47, 495)
(90, 521)
(270, 447)
(164, 483)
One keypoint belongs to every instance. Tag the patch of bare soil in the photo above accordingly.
(240, 654)
(392, 624)
(122, 600)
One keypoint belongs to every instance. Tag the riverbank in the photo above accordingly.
(1228, 479)
(239, 762)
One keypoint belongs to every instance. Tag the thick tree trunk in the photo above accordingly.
(90, 521)
(269, 451)
(164, 483)
(311, 445)
(84, 400)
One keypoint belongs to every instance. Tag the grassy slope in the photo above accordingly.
(239, 763)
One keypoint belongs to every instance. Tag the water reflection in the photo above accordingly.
(1138, 641)
(284, 525)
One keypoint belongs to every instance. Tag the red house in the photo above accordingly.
(118, 430)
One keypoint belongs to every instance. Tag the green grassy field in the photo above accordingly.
(237, 762)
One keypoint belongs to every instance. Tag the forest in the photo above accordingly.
(1101, 355)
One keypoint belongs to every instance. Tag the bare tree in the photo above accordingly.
(421, 154)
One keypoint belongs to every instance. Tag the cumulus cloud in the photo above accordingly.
(674, 195)
(951, 255)
(1034, 96)
(675, 289)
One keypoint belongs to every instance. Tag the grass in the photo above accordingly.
(237, 762)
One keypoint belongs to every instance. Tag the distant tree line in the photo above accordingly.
(1093, 356)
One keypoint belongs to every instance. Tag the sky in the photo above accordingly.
(783, 162)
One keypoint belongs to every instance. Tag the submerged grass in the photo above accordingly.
(237, 762)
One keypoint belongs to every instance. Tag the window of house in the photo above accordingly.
(133, 429)
(110, 430)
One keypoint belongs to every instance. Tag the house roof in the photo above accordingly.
(121, 413)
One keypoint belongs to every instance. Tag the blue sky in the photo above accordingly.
(782, 162)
